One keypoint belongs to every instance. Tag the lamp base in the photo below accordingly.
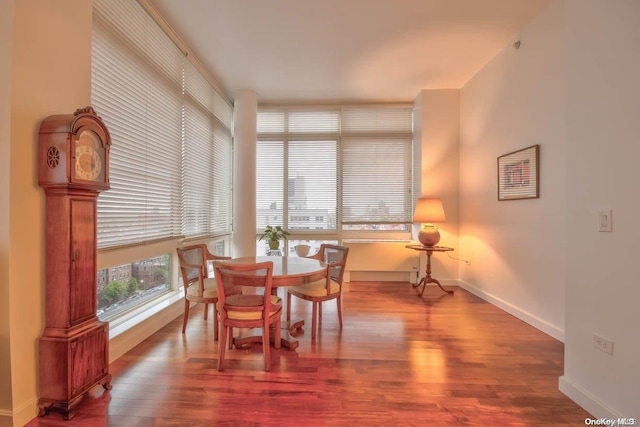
(429, 236)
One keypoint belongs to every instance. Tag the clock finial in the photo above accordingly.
(85, 110)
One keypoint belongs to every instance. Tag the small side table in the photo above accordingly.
(427, 278)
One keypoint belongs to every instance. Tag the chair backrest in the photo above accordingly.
(336, 258)
(192, 263)
(258, 275)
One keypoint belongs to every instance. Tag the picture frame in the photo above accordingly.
(519, 174)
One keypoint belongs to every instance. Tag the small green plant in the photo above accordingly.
(272, 235)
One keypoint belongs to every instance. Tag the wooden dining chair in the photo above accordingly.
(326, 289)
(259, 310)
(198, 286)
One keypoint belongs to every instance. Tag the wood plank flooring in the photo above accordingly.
(400, 360)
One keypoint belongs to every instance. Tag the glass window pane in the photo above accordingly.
(124, 287)
(312, 185)
(269, 183)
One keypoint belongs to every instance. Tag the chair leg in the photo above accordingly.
(266, 346)
(288, 306)
(206, 311)
(314, 315)
(339, 300)
(230, 337)
(186, 315)
(215, 324)
(320, 310)
(278, 333)
(222, 345)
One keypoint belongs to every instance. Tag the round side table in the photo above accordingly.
(427, 278)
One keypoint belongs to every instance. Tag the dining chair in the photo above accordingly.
(198, 286)
(325, 289)
(259, 310)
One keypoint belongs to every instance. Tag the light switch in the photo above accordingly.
(605, 221)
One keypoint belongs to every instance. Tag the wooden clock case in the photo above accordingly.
(74, 347)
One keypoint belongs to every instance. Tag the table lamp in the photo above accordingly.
(427, 212)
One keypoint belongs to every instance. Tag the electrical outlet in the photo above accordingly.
(603, 343)
(605, 220)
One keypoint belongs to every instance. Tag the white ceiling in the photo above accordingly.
(345, 50)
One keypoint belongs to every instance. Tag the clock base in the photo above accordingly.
(72, 362)
(66, 408)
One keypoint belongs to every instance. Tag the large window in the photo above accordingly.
(171, 153)
(333, 170)
(123, 287)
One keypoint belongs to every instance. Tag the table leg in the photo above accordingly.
(428, 279)
(290, 329)
(248, 337)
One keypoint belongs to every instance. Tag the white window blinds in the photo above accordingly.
(269, 183)
(171, 142)
(206, 159)
(316, 163)
(376, 166)
(297, 166)
(312, 184)
(137, 90)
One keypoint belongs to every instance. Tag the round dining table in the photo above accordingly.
(287, 271)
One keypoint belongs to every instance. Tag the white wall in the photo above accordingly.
(437, 132)
(6, 28)
(50, 74)
(603, 142)
(517, 247)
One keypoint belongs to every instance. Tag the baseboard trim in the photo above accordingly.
(536, 322)
(586, 400)
(21, 415)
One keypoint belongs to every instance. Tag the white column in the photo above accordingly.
(244, 173)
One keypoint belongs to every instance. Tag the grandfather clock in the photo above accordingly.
(73, 168)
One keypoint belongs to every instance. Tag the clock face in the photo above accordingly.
(88, 164)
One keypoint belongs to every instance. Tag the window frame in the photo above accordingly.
(280, 132)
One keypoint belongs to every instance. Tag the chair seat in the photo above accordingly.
(316, 289)
(250, 301)
(211, 289)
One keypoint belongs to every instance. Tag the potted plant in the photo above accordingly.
(273, 235)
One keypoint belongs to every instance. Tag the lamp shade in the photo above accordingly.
(429, 211)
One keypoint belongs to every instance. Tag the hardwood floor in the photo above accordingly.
(400, 360)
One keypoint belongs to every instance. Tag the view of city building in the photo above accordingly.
(123, 287)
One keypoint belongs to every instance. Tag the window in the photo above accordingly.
(126, 286)
(171, 153)
(338, 169)
(137, 90)
(206, 159)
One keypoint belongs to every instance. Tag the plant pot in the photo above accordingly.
(274, 245)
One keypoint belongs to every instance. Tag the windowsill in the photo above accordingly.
(139, 314)
(407, 241)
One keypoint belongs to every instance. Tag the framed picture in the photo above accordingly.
(518, 174)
